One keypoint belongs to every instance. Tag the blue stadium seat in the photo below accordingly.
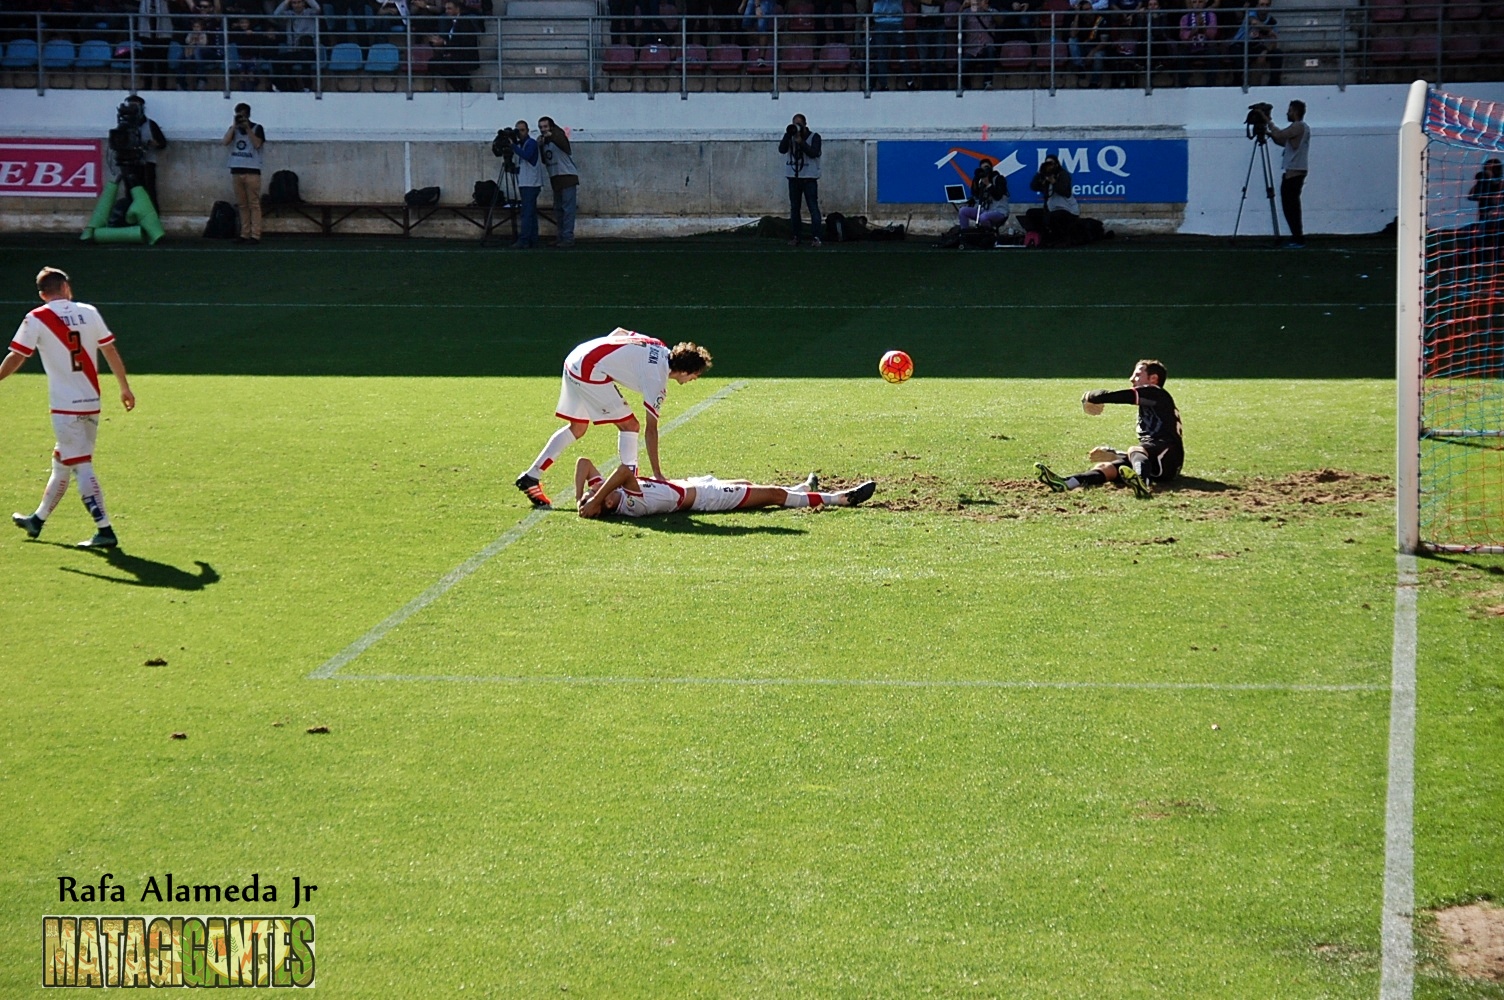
(382, 60)
(346, 57)
(174, 56)
(58, 53)
(20, 54)
(94, 53)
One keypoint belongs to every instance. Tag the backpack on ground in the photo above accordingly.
(835, 228)
(224, 222)
(283, 189)
(486, 194)
(422, 197)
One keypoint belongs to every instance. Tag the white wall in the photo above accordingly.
(1351, 188)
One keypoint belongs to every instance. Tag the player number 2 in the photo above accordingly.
(76, 350)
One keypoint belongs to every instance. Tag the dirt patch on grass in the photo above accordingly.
(1473, 938)
(1162, 809)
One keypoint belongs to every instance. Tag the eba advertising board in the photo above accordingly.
(51, 168)
(1123, 171)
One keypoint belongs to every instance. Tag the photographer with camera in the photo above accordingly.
(523, 160)
(554, 147)
(988, 205)
(802, 168)
(1295, 141)
(245, 139)
(1056, 221)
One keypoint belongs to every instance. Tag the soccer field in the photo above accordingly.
(972, 739)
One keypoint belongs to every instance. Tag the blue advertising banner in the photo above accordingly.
(1134, 171)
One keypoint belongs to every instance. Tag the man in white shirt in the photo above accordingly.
(69, 336)
(626, 493)
(590, 394)
(1295, 141)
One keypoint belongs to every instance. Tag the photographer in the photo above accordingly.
(988, 205)
(1057, 220)
(802, 168)
(1295, 140)
(245, 139)
(554, 147)
(1488, 192)
(526, 161)
(134, 142)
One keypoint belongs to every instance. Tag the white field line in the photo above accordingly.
(869, 682)
(720, 307)
(1397, 975)
(332, 666)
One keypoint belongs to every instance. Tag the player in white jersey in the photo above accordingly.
(69, 336)
(624, 492)
(591, 394)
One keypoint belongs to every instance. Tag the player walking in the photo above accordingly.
(1160, 450)
(624, 492)
(69, 335)
(590, 393)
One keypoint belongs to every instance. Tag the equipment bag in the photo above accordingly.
(283, 189)
(419, 197)
(835, 228)
(224, 222)
(486, 193)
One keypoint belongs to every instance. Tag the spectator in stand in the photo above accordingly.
(979, 50)
(253, 44)
(456, 47)
(1019, 21)
(1258, 36)
(1125, 63)
(197, 57)
(929, 45)
(154, 34)
(298, 21)
(1161, 30)
(1198, 41)
(757, 23)
(887, 42)
(988, 205)
(1088, 38)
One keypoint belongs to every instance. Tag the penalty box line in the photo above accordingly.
(870, 682)
(332, 666)
(1397, 966)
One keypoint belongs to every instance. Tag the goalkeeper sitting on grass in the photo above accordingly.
(624, 492)
(1159, 452)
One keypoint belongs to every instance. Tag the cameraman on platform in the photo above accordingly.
(528, 166)
(132, 145)
(152, 140)
(802, 168)
(553, 144)
(1295, 140)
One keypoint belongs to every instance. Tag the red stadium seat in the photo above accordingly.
(835, 57)
(1387, 50)
(1424, 49)
(759, 61)
(1465, 10)
(693, 58)
(1382, 11)
(1425, 11)
(1465, 46)
(726, 64)
(617, 61)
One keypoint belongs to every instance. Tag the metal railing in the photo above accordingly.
(956, 50)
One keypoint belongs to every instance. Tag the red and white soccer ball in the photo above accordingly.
(896, 366)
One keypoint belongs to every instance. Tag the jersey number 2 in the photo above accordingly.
(76, 350)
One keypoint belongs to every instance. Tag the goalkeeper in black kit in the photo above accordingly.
(1160, 450)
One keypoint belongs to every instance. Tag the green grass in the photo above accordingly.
(973, 740)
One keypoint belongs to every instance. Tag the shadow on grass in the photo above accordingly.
(1492, 569)
(1191, 484)
(681, 524)
(146, 572)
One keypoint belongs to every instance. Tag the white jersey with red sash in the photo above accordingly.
(631, 359)
(68, 335)
(658, 496)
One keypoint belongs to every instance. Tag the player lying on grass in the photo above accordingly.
(625, 493)
(1159, 452)
(590, 394)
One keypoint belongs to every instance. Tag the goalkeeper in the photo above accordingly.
(1160, 450)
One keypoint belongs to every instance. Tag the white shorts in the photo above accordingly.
(716, 494)
(76, 434)
(597, 402)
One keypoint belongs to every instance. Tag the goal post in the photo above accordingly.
(1449, 325)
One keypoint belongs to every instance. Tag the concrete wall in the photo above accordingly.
(653, 163)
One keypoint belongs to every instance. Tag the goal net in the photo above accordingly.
(1450, 310)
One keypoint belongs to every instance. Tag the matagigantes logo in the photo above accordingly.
(175, 951)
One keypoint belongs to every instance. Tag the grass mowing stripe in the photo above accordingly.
(1397, 978)
(331, 666)
(753, 307)
(875, 682)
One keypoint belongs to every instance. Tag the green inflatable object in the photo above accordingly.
(118, 234)
(101, 209)
(143, 213)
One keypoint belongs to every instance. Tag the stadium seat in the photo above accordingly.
(1383, 11)
(1424, 11)
(796, 67)
(20, 63)
(618, 62)
(58, 53)
(835, 65)
(93, 64)
(1462, 47)
(345, 61)
(691, 62)
(1386, 50)
(726, 64)
(382, 62)
(1424, 50)
(1056, 57)
(801, 17)
(654, 61)
(1466, 10)
(1015, 57)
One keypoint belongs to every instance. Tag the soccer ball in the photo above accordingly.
(896, 366)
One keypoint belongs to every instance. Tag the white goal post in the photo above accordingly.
(1449, 325)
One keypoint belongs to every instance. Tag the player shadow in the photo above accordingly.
(147, 572)
(683, 524)
(1191, 484)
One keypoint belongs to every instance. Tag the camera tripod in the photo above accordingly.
(1261, 154)
(505, 197)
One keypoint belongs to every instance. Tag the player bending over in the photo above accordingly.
(590, 393)
(625, 493)
(1160, 450)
